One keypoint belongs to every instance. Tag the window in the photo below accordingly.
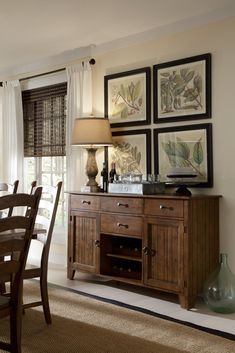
(44, 111)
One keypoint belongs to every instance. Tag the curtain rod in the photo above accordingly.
(91, 62)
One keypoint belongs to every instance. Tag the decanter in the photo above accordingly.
(219, 288)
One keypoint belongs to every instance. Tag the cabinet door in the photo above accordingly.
(163, 253)
(83, 247)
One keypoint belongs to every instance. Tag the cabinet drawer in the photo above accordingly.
(164, 207)
(126, 225)
(84, 202)
(122, 205)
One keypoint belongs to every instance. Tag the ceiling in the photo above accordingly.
(32, 31)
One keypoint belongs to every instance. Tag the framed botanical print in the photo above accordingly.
(131, 152)
(184, 151)
(182, 89)
(127, 98)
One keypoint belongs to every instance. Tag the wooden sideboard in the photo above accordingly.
(169, 243)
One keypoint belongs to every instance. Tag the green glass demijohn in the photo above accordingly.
(219, 288)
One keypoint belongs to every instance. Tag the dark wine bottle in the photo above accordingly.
(104, 178)
(112, 174)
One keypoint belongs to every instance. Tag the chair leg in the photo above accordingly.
(15, 330)
(2, 288)
(45, 300)
(2, 285)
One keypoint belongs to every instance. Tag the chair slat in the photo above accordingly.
(41, 220)
(46, 204)
(10, 245)
(8, 267)
(23, 200)
(14, 222)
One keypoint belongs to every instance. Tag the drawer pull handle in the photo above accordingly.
(162, 207)
(86, 202)
(123, 204)
(122, 225)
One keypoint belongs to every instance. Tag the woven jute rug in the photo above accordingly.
(83, 324)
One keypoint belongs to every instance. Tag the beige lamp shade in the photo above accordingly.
(92, 132)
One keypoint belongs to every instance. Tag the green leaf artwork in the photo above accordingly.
(185, 154)
(181, 90)
(127, 99)
(127, 157)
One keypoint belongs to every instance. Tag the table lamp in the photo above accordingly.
(92, 133)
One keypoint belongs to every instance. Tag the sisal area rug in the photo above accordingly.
(82, 324)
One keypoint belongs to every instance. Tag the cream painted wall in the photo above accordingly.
(219, 40)
(1, 130)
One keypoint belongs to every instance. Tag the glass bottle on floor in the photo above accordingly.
(219, 288)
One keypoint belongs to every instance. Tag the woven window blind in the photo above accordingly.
(44, 111)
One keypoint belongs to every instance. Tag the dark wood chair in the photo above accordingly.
(45, 219)
(8, 189)
(32, 186)
(5, 189)
(15, 237)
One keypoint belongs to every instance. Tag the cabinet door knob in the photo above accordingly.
(86, 202)
(148, 251)
(122, 225)
(122, 204)
(162, 207)
(97, 243)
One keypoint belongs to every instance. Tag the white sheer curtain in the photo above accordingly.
(79, 105)
(12, 139)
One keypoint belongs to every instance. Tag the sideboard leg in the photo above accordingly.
(70, 273)
(187, 302)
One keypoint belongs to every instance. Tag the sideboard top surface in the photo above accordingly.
(155, 196)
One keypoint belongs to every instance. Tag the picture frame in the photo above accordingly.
(127, 100)
(184, 148)
(131, 152)
(182, 89)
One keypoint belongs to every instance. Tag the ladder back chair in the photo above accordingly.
(8, 189)
(45, 219)
(15, 236)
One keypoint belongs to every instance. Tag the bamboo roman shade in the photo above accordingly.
(44, 111)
